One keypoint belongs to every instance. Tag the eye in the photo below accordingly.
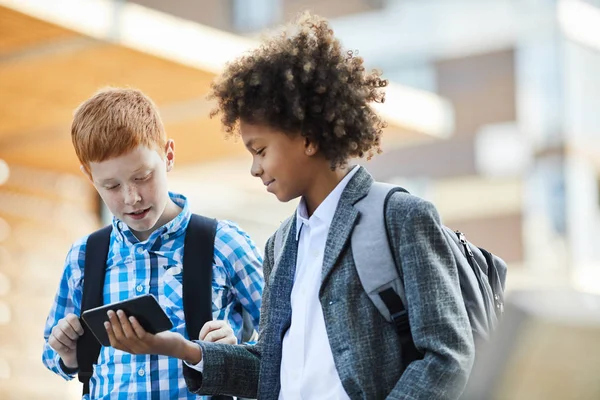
(143, 178)
(260, 151)
(111, 187)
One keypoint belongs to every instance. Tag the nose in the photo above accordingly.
(256, 169)
(131, 196)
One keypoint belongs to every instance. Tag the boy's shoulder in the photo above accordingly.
(408, 211)
(228, 228)
(80, 244)
(403, 201)
(75, 259)
(230, 238)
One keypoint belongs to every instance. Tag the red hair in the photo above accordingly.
(113, 122)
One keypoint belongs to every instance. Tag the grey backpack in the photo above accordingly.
(482, 275)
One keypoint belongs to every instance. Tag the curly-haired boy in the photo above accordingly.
(302, 108)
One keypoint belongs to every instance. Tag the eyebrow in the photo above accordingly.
(105, 181)
(250, 143)
(142, 168)
(110, 180)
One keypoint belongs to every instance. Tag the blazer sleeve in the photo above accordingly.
(232, 369)
(437, 315)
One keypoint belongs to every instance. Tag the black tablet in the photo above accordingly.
(144, 308)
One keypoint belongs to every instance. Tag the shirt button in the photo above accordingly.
(167, 236)
(120, 225)
(128, 260)
(139, 288)
(141, 372)
(140, 250)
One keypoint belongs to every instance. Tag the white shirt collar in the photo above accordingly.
(326, 209)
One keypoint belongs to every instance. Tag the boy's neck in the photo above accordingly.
(324, 183)
(171, 211)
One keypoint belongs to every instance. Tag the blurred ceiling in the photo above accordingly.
(46, 71)
(51, 59)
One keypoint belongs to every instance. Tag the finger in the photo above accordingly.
(115, 325)
(208, 327)
(75, 323)
(111, 336)
(126, 325)
(57, 345)
(66, 342)
(228, 340)
(60, 336)
(138, 329)
(67, 329)
(213, 336)
(114, 342)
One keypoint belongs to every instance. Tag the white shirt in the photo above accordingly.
(307, 367)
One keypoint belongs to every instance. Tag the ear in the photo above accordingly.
(86, 173)
(310, 148)
(170, 154)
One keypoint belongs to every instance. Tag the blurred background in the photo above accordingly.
(492, 112)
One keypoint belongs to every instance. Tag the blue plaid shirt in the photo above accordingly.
(154, 266)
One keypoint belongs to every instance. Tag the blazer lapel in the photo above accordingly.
(281, 281)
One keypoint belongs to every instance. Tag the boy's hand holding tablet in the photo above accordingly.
(140, 326)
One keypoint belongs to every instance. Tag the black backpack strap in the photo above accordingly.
(398, 313)
(198, 254)
(88, 348)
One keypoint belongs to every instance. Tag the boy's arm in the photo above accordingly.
(243, 265)
(67, 301)
(232, 369)
(438, 319)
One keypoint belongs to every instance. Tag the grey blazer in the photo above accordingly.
(366, 348)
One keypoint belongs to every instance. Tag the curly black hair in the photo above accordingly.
(302, 82)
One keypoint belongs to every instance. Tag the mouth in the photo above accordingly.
(267, 183)
(139, 214)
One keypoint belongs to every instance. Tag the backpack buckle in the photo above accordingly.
(400, 320)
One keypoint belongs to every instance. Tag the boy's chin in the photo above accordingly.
(143, 225)
(284, 197)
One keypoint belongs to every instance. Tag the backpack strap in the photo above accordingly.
(198, 255)
(494, 265)
(88, 348)
(378, 272)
